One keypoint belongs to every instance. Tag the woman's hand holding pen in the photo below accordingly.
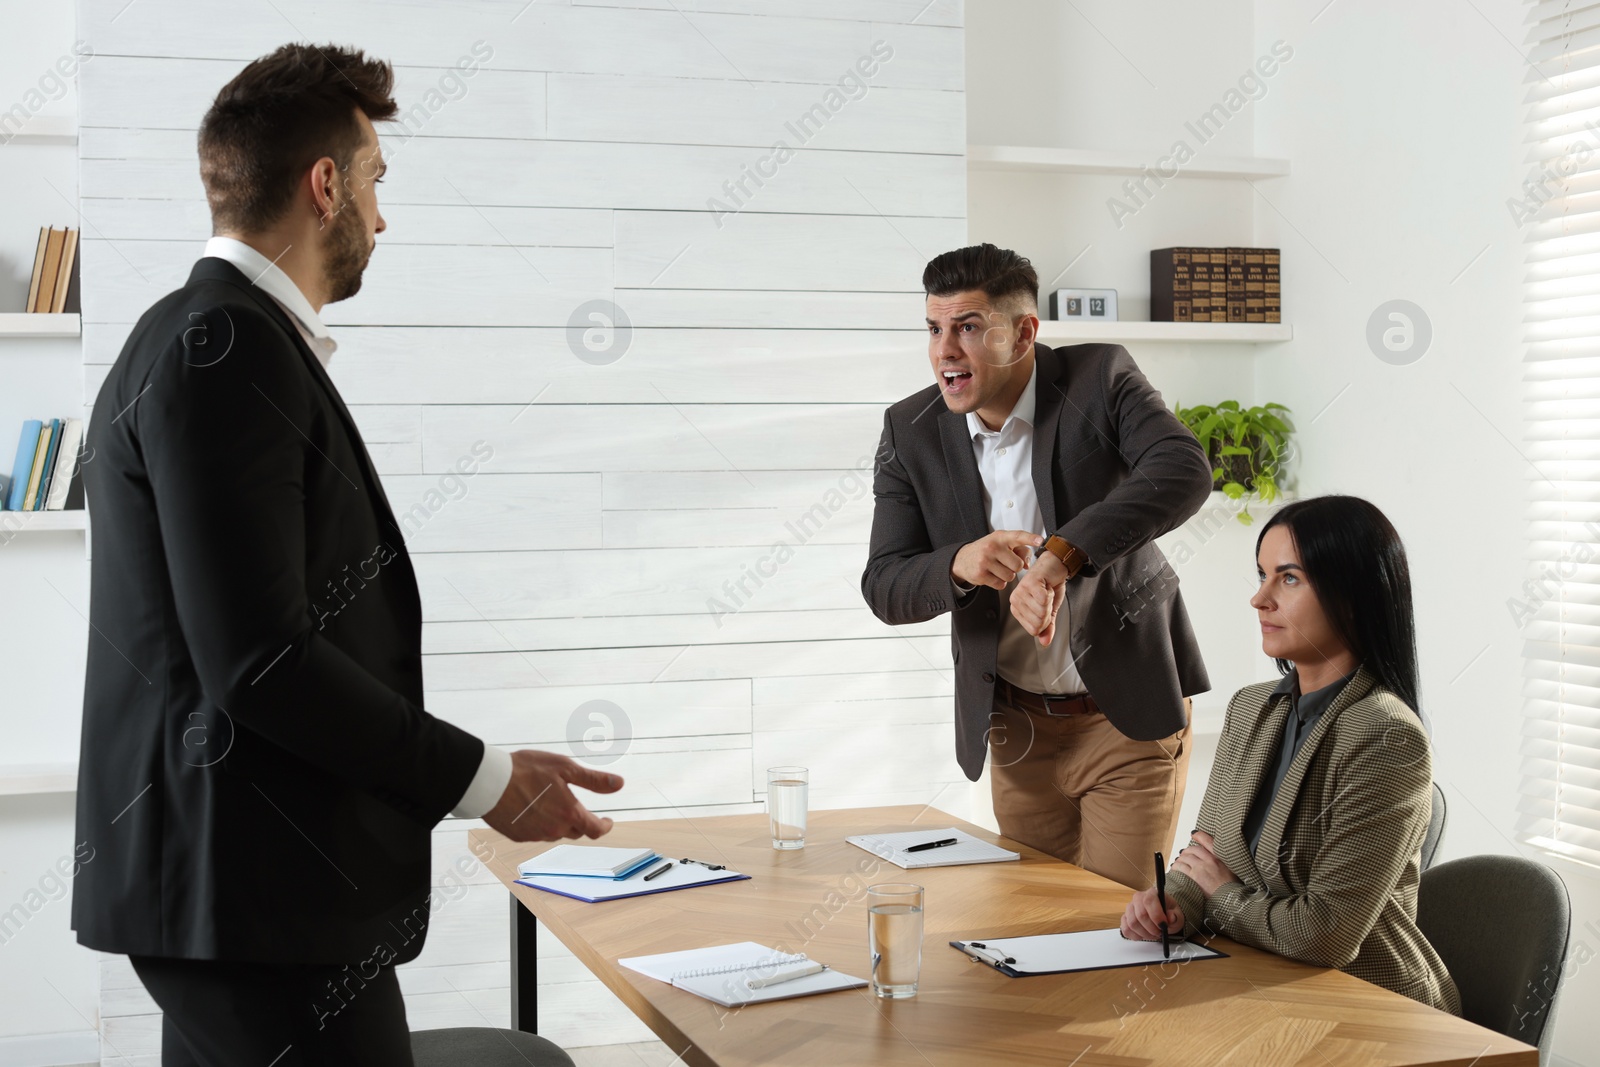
(1200, 863)
(1143, 918)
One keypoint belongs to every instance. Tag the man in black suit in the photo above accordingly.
(1061, 467)
(259, 779)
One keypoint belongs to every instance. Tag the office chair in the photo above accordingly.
(1500, 923)
(484, 1046)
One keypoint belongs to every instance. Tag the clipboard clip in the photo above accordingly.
(981, 953)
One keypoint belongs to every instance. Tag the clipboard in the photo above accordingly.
(595, 890)
(1084, 950)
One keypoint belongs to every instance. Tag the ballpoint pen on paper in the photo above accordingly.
(659, 871)
(798, 971)
(930, 844)
(1161, 895)
(979, 951)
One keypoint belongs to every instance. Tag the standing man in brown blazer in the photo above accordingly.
(1027, 507)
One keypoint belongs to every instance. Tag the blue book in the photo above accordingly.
(49, 466)
(23, 467)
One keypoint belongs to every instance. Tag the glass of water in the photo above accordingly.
(786, 805)
(894, 938)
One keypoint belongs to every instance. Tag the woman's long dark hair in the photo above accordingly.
(1353, 558)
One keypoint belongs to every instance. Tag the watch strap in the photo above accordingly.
(1071, 556)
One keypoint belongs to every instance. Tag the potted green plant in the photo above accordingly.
(1245, 446)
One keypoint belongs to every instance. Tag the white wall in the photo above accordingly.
(1408, 202)
(50, 1009)
(581, 563)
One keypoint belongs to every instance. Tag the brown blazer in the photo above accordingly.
(1334, 878)
(1114, 470)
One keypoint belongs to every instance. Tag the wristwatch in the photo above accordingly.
(1071, 556)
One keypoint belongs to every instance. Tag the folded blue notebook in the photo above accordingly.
(587, 861)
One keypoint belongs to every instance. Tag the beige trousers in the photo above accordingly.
(1076, 787)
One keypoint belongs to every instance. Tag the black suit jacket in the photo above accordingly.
(258, 778)
(1114, 469)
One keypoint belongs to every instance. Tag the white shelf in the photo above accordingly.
(1083, 161)
(31, 521)
(1249, 500)
(40, 324)
(20, 779)
(47, 129)
(1251, 333)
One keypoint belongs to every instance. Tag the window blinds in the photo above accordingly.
(1558, 609)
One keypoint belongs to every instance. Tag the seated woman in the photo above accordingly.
(1310, 832)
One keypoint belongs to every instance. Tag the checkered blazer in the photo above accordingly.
(1334, 878)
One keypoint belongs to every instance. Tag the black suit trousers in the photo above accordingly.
(226, 1014)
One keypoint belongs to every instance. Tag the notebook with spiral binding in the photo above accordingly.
(723, 973)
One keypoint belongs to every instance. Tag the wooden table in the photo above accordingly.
(1253, 1008)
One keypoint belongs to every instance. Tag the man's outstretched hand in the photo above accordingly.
(538, 804)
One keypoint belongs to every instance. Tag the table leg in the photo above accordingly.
(524, 968)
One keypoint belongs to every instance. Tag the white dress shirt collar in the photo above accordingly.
(1023, 409)
(265, 275)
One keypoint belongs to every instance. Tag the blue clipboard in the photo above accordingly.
(588, 890)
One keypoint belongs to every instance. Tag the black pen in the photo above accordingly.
(1161, 895)
(659, 870)
(932, 844)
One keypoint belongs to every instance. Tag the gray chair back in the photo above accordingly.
(484, 1046)
(1501, 924)
(1435, 834)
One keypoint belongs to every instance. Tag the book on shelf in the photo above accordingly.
(47, 467)
(26, 447)
(1233, 284)
(38, 267)
(53, 288)
(52, 266)
(66, 489)
(36, 469)
(66, 275)
(1274, 285)
(45, 475)
(1210, 269)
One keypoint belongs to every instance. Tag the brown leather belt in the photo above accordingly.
(1044, 703)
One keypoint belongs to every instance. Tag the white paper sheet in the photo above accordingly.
(968, 849)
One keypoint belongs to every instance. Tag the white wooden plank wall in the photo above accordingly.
(581, 562)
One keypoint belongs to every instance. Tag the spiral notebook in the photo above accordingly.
(722, 973)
